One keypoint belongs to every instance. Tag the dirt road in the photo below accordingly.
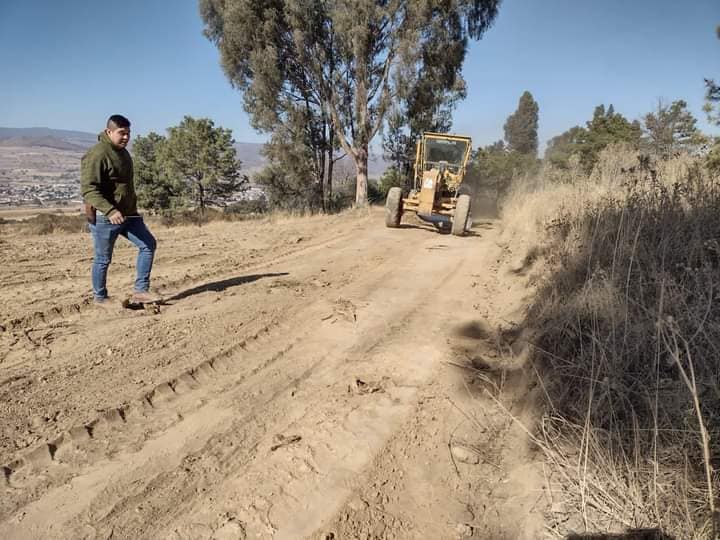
(308, 378)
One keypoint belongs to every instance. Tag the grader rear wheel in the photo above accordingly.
(393, 208)
(462, 215)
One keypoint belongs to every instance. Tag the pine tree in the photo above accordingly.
(561, 147)
(397, 144)
(712, 96)
(671, 128)
(521, 126)
(155, 190)
(606, 127)
(202, 160)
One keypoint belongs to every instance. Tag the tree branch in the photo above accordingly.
(340, 128)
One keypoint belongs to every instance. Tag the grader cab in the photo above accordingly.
(438, 195)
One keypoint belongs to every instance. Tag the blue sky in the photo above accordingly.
(69, 64)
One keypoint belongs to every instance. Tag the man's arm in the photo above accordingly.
(91, 173)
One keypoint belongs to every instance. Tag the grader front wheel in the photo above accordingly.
(393, 208)
(462, 213)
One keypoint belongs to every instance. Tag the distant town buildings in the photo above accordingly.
(50, 192)
(47, 192)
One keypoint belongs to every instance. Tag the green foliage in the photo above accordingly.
(155, 190)
(194, 165)
(495, 167)
(347, 62)
(521, 126)
(290, 180)
(713, 158)
(201, 159)
(286, 191)
(671, 128)
(712, 101)
(562, 147)
(375, 196)
(712, 96)
(398, 146)
(606, 127)
(391, 178)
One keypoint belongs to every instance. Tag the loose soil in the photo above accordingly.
(315, 378)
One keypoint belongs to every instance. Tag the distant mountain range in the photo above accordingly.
(47, 141)
(249, 154)
(60, 139)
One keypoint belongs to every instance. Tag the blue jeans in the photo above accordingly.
(104, 235)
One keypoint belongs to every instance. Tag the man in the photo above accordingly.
(106, 181)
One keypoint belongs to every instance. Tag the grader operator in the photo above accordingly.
(438, 195)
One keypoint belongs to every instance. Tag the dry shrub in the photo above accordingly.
(628, 332)
(237, 212)
(47, 224)
(181, 217)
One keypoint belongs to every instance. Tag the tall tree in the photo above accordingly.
(290, 179)
(712, 101)
(349, 59)
(495, 167)
(671, 128)
(202, 159)
(155, 189)
(712, 96)
(606, 127)
(522, 125)
(397, 144)
(561, 147)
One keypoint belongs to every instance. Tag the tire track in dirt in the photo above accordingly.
(69, 367)
(460, 465)
(337, 368)
(171, 287)
(384, 330)
(47, 449)
(303, 429)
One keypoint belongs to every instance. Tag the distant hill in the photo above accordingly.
(78, 141)
(45, 135)
(46, 141)
(250, 154)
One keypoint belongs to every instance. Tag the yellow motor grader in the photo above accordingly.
(438, 195)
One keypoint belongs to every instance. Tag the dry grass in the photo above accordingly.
(46, 224)
(50, 223)
(627, 340)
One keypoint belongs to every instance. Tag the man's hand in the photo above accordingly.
(117, 218)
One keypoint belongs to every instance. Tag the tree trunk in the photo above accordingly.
(331, 164)
(361, 163)
(201, 200)
(323, 169)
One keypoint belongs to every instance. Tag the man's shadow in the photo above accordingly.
(631, 534)
(219, 286)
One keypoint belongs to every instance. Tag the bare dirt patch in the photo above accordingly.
(306, 378)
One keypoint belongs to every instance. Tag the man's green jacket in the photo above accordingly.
(106, 178)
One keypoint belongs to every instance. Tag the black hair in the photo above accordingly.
(117, 121)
